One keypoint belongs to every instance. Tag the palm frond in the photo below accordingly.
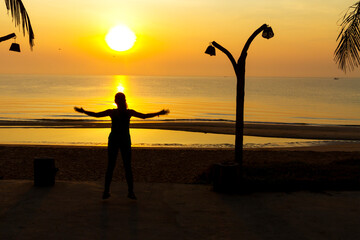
(20, 16)
(347, 52)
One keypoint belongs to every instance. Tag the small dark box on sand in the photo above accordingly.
(44, 172)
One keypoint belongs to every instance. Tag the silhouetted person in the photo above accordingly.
(119, 138)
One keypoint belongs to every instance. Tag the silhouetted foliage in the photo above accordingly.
(21, 17)
(347, 51)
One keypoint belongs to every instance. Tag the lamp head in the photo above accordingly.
(268, 33)
(210, 50)
(15, 47)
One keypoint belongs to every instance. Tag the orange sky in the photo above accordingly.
(172, 36)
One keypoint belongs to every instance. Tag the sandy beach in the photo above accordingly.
(334, 165)
(328, 167)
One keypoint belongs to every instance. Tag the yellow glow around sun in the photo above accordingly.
(120, 38)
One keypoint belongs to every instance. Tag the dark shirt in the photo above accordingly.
(120, 124)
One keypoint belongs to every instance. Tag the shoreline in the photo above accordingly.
(328, 147)
(279, 130)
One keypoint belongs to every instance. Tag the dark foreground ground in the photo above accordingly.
(306, 193)
(74, 210)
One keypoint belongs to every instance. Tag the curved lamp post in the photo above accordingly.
(239, 68)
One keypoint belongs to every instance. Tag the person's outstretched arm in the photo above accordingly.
(93, 114)
(150, 115)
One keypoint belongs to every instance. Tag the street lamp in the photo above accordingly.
(239, 68)
(210, 50)
(14, 46)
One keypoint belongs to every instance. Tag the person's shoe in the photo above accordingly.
(106, 195)
(131, 195)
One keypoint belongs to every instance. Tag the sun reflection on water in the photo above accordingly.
(120, 88)
(135, 97)
(121, 83)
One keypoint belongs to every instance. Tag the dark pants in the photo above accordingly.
(113, 148)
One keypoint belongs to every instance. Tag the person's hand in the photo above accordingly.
(164, 112)
(80, 110)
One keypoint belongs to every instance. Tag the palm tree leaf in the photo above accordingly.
(20, 16)
(347, 52)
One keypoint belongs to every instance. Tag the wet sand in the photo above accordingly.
(304, 131)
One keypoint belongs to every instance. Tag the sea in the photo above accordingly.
(289, 100)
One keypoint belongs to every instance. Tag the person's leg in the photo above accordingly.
(112, 156)
(126, 157)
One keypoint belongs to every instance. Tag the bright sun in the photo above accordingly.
(120, 38)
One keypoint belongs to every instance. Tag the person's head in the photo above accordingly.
(120, 101)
